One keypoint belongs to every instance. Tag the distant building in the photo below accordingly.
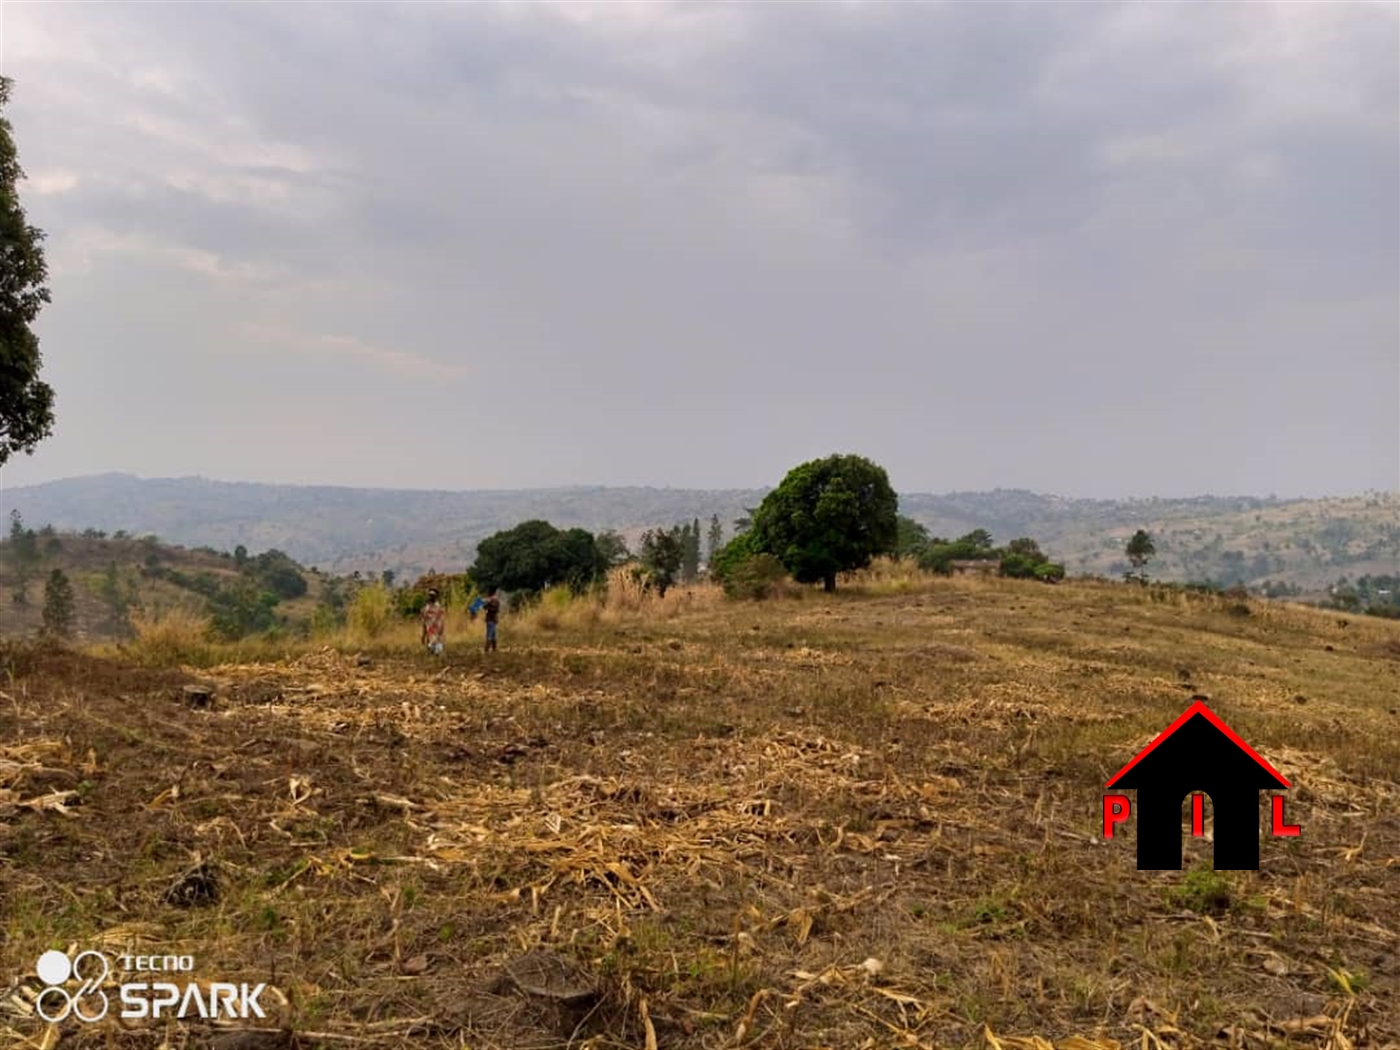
(976, 567)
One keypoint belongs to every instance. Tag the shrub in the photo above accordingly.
(58, 606)
(1020, 567)
(732, 554)
(241, 610)
(757, 577)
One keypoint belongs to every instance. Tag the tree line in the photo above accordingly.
(827, 517)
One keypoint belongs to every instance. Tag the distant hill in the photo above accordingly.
(1307, 543)
(340, 530)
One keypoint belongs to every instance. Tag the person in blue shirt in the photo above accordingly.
(492, 608)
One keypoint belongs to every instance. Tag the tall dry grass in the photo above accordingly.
(886, 576)
(371, 613)
(164, 637)
(621, 600)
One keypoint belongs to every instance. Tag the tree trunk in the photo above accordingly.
(829, 584)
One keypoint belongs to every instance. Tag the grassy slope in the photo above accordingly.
(723, 811)
(85, 560)
(1317, 541)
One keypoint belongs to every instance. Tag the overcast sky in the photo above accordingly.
(1085, 249)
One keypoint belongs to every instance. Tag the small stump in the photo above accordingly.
(200, 697)
(561, 995)
(198, 886)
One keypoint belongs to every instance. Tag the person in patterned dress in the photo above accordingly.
(434, 624)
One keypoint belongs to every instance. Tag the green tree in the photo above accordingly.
(534, 555)
(1023, 559)
(24, 555)
(939, 554)
(663, 554)
(690, 561)
(977, 540)
(240, 556)
(114, 596)
(828, 516)
(578, 562)
(1025, 547)
(715, 541)
(276, 572)
(1140, 549)
(911, 538)
(26, 402)
(738, 550)
(241, 609)
(612, 548)
(387, 577)
(59, 606)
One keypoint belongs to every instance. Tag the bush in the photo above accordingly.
(241, 610)
(757, 577)
(733, 554)
(1020, 567)
(276, 572)
(284, 581)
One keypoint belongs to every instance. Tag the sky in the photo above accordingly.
(1088, 249)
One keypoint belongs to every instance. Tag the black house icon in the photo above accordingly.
(1198, 752)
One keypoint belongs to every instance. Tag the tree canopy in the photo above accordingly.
(1021, 558)
(1140, 548)
(26, 402)
(663, 556)
(828, 516)
(534, 555)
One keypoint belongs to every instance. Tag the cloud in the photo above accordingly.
(691, 243)
(396, 362)
(79, 249)
(47, 183)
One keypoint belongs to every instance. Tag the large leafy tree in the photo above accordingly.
(828, 516)
(26, 402)
(534, 555)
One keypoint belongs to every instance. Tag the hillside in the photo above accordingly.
(867, 819)
(341, 530)
(114, 576)
(1308, 543)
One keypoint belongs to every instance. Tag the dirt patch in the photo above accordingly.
(839, 842)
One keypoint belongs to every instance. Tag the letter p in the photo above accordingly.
(1116, 809)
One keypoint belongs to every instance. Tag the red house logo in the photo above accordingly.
(1197, 753)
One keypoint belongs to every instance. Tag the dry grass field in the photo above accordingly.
(863, 820)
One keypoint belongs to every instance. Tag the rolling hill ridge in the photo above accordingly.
(1304, 543)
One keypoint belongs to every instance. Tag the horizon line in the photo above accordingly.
(600, 486)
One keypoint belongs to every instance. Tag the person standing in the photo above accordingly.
(434, 624)
(492, 608)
